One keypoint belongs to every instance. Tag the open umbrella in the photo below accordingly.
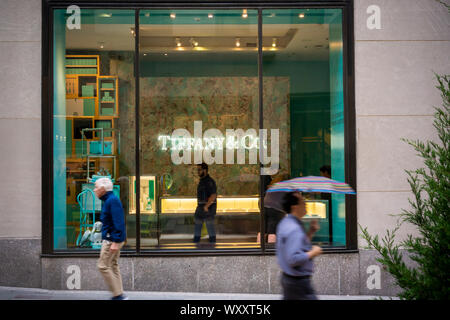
(275, 193)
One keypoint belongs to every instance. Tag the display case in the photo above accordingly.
(147, 194)
(239, 204)
(316, 209)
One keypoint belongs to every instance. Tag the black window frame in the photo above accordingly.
(47, 113)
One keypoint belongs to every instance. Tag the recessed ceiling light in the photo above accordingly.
(173, 15)
(244, 13)
(274, 42)
(238, 42)
(210, 15)
(301, 15)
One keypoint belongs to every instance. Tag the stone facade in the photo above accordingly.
(395, 94)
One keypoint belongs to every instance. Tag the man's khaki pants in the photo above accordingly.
(109, 267)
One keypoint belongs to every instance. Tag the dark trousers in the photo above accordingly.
(297, 288)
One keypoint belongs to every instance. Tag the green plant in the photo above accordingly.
(445, 4)
(430, 214)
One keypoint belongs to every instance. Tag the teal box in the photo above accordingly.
(107, 85)
(78, 148)
(107, 111)
(87, 91)
(105, 124)
(95, 147)
(89, 107)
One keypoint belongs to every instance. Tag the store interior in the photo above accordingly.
(194, 65)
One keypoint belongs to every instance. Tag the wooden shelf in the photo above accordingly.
(81, 66)
(81, 117)
(74, 81)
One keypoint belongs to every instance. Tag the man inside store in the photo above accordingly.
(206, 204)
(294, 250)
(113, 236)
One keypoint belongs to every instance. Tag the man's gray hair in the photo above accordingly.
(104, 182)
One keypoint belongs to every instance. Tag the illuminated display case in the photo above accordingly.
(242, 204)
(148, 192)
(316, 209)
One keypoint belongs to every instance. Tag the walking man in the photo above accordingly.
(113, 236)
(294, 250)
(206, 204)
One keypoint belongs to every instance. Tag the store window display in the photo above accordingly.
(204, 96)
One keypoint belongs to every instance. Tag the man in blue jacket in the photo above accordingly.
(294, 250)
(113, 236)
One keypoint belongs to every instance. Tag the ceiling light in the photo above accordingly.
(178, 42)
(193, 42)
(210, 15)
(173, 15)
(274, 42)
(301, 15)
(145, 54)
(238, 42)
(244, 13)
(106, 15)
(102, 45)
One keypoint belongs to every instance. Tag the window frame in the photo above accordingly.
(47, 114)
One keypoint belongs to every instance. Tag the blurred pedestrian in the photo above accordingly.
(294, 250)
(113, 237)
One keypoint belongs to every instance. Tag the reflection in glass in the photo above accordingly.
(303, 97)
(195, 84)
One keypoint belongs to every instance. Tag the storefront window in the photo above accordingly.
(303, 77)
(94, 112)
(199, 104)
(217, 124)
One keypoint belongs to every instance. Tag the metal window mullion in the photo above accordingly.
(261, 126)
(137, 137)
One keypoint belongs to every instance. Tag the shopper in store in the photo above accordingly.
(294, 250)
(113, 236)
(206, 204)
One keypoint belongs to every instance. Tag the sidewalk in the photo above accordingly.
(16, 293)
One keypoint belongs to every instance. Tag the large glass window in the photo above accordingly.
(303, 77)
(217, 125)
(199, 104)
(93, 116)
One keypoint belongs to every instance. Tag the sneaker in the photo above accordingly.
(120, 297)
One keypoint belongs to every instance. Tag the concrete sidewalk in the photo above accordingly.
(17, 293)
